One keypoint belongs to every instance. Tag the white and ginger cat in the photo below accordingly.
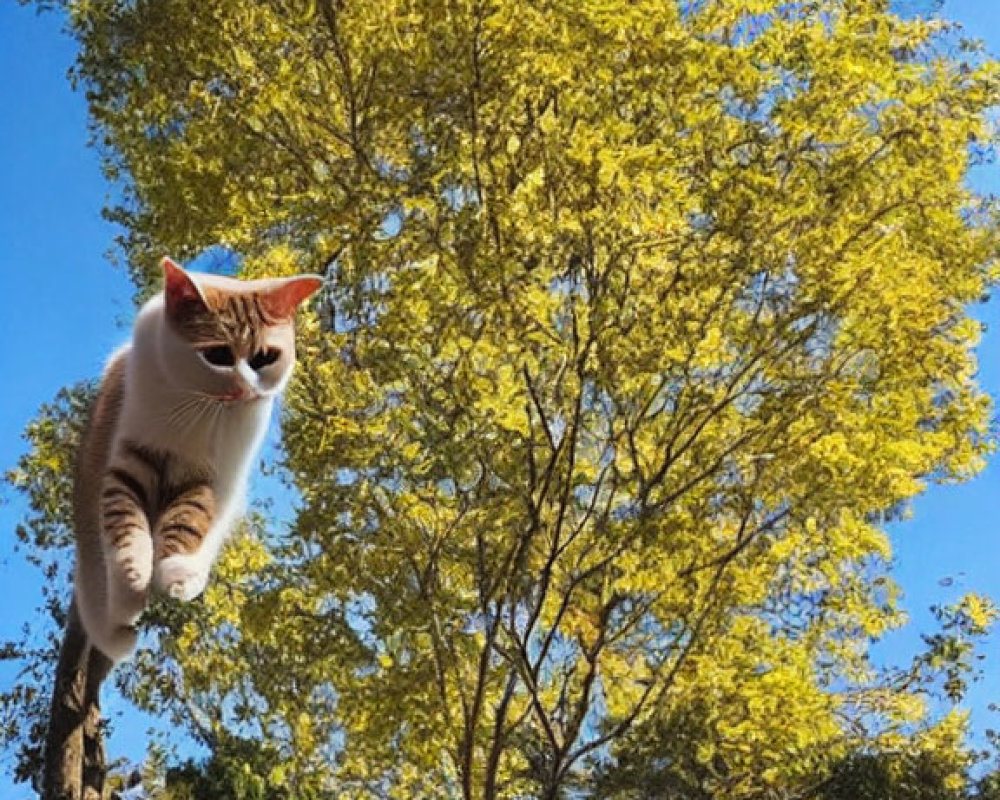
(179, 416)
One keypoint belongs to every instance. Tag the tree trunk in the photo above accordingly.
(74, 748)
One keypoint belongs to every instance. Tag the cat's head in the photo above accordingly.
(232, 340)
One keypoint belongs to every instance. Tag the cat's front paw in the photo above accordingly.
(130, 567)
(132, 563)
(182, 577)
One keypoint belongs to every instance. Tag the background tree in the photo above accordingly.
(643, 319)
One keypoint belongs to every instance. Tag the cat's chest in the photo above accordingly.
(222, 439)
(237, 441)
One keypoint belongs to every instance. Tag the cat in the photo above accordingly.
(180, 413)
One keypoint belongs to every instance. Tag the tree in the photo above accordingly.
(644, 318)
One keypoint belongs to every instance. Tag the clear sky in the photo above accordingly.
(63, 309)
(61, 305)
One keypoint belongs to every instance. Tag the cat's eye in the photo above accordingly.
(264, 358)
(219, 356)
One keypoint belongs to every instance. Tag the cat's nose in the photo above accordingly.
(244, 390)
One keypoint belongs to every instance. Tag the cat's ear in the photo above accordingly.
(283, 300)
(181, 294)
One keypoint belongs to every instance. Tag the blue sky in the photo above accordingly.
(63, 309)
(61, 305)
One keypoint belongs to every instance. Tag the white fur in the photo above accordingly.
(226, 438)
(212, 418)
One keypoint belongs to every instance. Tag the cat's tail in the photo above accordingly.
(112, 637)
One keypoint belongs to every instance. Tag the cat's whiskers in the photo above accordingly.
(191, 410)
(194, 408)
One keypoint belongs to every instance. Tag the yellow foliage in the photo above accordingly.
(642, 316)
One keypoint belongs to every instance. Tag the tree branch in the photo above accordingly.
(74, 766)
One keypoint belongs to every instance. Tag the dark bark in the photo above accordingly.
(75, 766)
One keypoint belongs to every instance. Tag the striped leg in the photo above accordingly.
(128, 547)
(182, 563)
